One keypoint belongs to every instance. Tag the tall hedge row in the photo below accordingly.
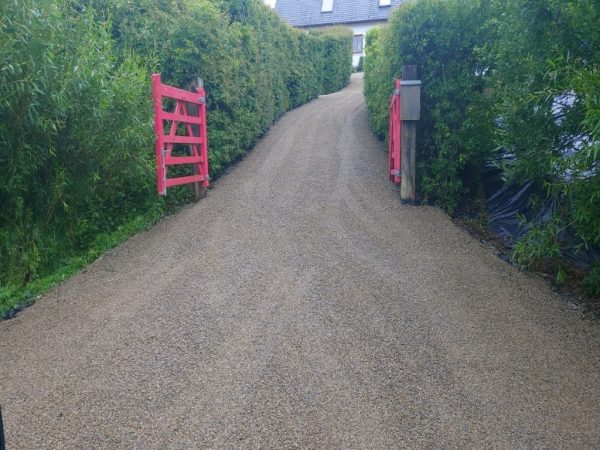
(519, 76)
(76, 141)
(443, 38)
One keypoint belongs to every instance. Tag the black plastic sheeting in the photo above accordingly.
(1, 432)
(507, 203)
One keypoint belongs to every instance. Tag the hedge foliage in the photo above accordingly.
(547, 85)
(522, 76)
(76, 140)
(442, 38)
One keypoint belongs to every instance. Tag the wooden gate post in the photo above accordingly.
(411, 112)
(199, 190)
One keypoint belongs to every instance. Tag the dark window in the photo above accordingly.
(357, 43)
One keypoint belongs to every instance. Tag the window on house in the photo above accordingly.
(385, 2)
(357, 43)
(327, 6)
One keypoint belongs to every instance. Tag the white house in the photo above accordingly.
(359, 15)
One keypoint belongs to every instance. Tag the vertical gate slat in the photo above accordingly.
(395, 136)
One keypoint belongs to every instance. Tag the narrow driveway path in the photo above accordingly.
(300, 305)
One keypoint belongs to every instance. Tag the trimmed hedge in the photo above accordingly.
(442, 38)
(337, 57)
(522, 76)
(76, 140)
(264, 67)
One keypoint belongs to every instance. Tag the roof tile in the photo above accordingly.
(306, 13)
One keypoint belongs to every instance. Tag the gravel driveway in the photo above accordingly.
(300, 305)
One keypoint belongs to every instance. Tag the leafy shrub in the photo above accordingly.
(540, 249)
(547, 83)
(524, 76)
(72, 125)
(592, 282)
(76, 140)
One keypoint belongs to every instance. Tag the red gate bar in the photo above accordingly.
(186, 105)
(395, 136)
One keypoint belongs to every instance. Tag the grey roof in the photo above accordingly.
(305, 13)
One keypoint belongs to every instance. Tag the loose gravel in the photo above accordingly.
(300, 305)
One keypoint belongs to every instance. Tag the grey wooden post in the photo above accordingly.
(410, 101)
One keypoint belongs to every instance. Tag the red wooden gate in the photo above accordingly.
(190, 110)
(395, 136)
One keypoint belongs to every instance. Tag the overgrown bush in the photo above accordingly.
(592, 282)
(547, 83)
(72, 126)
(76, 141)
(523, 76)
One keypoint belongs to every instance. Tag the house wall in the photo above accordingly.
(361, 28)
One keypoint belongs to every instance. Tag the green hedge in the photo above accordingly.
(76, 141)
(255, 66)
(492, 75)
(337, 57)
(442, 38)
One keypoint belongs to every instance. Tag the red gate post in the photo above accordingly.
(158, 134)
(198, 145)
(395, 136)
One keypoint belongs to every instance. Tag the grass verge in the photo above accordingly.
(15, 299)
